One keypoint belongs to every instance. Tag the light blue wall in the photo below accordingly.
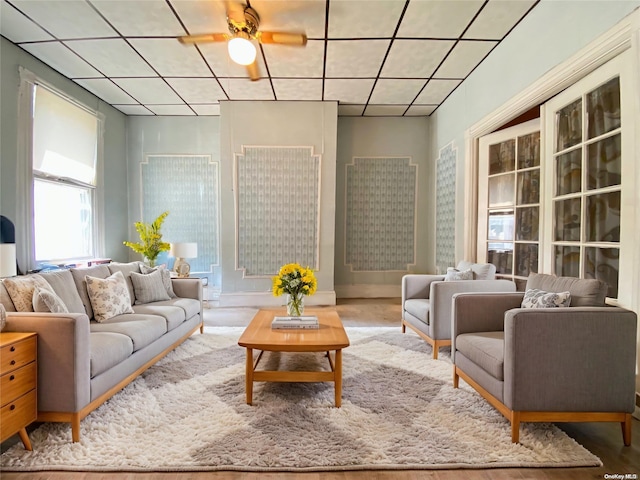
(114, 165)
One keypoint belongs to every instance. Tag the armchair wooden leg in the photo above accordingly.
(435, 351)
(515, 427)
(75, 428)
(404, 327)
(456, 378)
(626, 429)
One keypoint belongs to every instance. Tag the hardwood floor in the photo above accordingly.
(602, 439)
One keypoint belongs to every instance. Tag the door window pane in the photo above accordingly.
(528, 187)
(501, 190)
(501, 225)
(569, 172)
(569, 126)
(526, 259)
(567, 261)
(501, 255)
(603, 264)
(604, 165)
(603, 217)
(502, 157)
(529, 150)
(527, 222)
(603, 108)
(567, 220)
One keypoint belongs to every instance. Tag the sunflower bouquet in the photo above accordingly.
(296, 281)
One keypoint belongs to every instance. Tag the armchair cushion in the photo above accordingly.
(485, 349)
(534, 298)
(585, 292)
(419, 308)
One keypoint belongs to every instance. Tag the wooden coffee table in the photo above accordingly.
(330, 336)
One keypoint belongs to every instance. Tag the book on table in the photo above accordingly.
(310, 322)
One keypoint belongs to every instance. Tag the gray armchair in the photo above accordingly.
(572, 364)
(426, 300)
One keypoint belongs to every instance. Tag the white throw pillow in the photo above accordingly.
(149, 287)
(47, 301)
(109, 296)
(534, 298)
(454, 275)
(21, 289)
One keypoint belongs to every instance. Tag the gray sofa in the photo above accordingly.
(571, 364)
(82, 362)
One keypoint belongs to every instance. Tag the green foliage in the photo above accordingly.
(151, 243)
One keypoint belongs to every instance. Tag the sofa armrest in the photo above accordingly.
(64, 359)
(570, 359)
(187, 287)
(417, 285)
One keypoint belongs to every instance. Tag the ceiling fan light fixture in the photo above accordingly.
(241, 50)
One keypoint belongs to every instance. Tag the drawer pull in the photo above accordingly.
(13, 348)
(13, 362)
(12, 377)
(12, 407)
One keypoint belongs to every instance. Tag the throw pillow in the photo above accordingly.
(453, 274)
(47, 301)
(21, 289)
(149, 287)
(534, 298)
(166, 277)
(109, 296)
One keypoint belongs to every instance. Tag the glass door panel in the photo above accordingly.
(502, 157)
(603, 264)
(603, 217)
(567, 220)
(569, 126)
(604, 163)
(603, 108)
(567, 261)
(528, 224)
(569, 172)
(529, 150)
(501, 190)
(528, 187)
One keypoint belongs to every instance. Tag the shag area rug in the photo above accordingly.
(399, 411)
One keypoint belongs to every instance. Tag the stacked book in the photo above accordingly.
(281, 323)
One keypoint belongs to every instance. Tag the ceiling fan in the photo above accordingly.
(243, 22)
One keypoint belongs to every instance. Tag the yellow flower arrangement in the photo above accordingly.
(151, 243)
(296, 281)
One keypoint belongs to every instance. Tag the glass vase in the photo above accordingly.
(295, 305)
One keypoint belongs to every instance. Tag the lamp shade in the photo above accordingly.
(7, 260)
(184, 250)
(241, 50)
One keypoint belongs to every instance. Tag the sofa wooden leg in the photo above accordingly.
(515, 427)
(626, 429)
(456, 378)
(75, 428)
(435, 351)
(404, 327)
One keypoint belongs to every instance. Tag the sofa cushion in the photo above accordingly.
(78, 274)
(149, 287)
(485, 349)
(166, 277)
(107, 350)
(47, 301)
(419, 308)
(143, 330)
(454, 275)
(585, 292)
(173, 315)
(534, 298)
(21, 289)
(481, 271)
(62, 283)
(109, 296)
(126, 269)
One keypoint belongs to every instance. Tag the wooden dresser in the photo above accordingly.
(18, 384)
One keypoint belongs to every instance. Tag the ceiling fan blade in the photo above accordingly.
(253, 71)
(283, 38)
(204, 38)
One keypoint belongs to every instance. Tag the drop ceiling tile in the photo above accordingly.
(438, 18)
(113, 57)
(385, 110)
(149, 90)
(415, 58)
(394, 91)
(355, 58)
(420, 110)
(170, 109)
(245, 89)
(170, 58)
(464, 58)
(61, 18)
(364, 19)
(18, 28)
(140, 17)
(206, 109)
(60, 58)
(289, 61)
(350, 110)
(198, 90)
(298, 89)
(133, 109)
(217, 57)
(204, 16)
(306, 16)
(348, 90)
(436, 91)
(106, 90)
(497, 18)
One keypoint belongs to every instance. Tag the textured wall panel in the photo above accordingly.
(277, 208)
(446, 208)
(187, 186)
(380, 214)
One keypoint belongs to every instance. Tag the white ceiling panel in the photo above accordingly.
(357, 58)
(217, 57)
(134, 110)
(245, 89)
(170, 109)
(107, 90)
(149, 90)
(348, 90)
(206, 109)
(439, 18)
(350, 110)
(464, 58)
(384, 110)
(198, 90)
(204, 16)
(289, 61)
(60, 58)
(306, 16)
(140, 17)
(66, 18)
(298, 89)
(497, 18)
(364, 19)
(113, 57)
(396, 91)
(18, 28)
(170, 58)
(415, 58)
(436, 91)
(420, 110)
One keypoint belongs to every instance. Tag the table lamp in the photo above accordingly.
(181, 251)
(8, 260)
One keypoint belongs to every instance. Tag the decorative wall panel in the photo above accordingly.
(188, 187)
(278, 208)
(380, 214)
(446, 208)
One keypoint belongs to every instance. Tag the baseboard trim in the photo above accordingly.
(266, 299)
(368, 291)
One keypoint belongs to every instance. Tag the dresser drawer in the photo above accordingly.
(18, 382)
(17, 354)
(15, 415)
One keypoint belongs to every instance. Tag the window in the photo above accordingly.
(64, 153)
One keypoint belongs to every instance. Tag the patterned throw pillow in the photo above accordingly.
(454, 274)
(109, 296)
(21, 289)
(166, 277)
(534, 298)
(149, 287)
(47, 301)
